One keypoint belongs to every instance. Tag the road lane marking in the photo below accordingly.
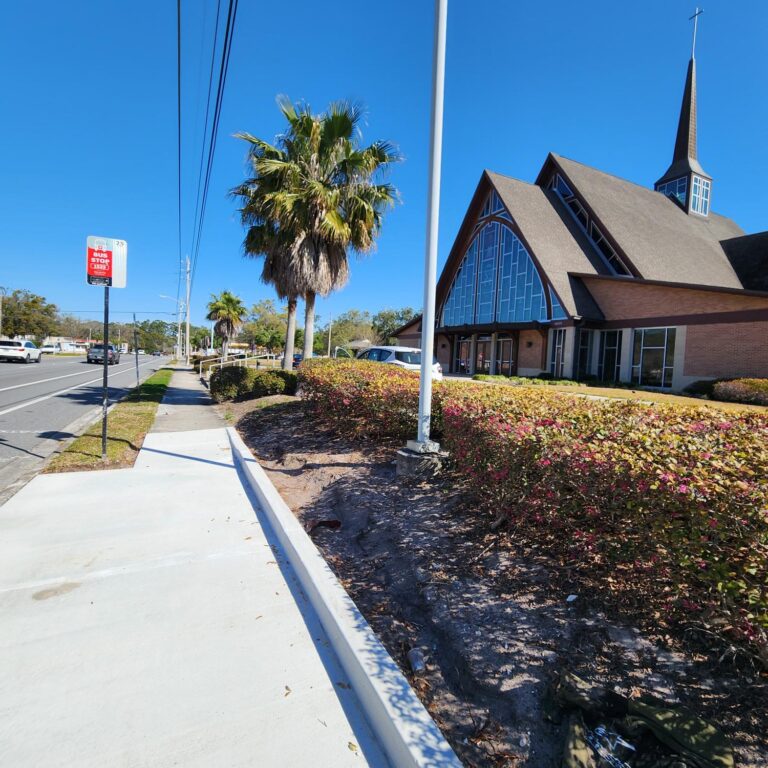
(61, 392)
(63, 376)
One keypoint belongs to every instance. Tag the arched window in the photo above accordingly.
(497, 281)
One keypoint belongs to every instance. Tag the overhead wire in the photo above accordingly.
(223, 70)
(178, 114)
(207, 113)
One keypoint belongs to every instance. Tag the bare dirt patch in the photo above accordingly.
(494, 623)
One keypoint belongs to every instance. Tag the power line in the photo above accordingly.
(223, 69)
(207, 111)
(112, 312)
(178, 115)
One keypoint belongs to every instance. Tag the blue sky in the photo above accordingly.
(89, 122)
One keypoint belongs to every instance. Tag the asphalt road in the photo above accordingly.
(43, 404)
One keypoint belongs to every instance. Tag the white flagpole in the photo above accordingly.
(424, 444)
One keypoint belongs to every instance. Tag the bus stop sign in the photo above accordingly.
(106, 261)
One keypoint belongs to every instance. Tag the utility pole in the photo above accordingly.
(178, 330)
(187, 346)
(330, 328)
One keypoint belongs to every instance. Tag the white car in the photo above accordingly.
(406, 357)
(19, 351)
(51, 349)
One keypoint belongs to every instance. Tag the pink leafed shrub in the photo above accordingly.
(742, 391)
(665, 507)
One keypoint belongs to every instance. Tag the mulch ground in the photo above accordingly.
(492, 620)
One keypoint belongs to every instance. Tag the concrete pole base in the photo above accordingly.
(418, 465)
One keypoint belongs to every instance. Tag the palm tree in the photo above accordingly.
(314, 194)
(228, 312)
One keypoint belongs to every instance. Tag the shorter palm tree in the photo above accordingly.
(228, 313)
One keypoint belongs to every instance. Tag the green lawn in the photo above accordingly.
(586, 390)
(127, 425)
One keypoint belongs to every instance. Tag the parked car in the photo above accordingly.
(96, 354)
(406, 357)
(51, 349)
(156, 353)
(19, 351)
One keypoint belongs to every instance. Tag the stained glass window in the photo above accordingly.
(486, 279)
(498, 282)
(677, 188)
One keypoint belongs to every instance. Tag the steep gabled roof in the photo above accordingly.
(749, 257)
(660, 240)
(550, 236)
(553, 238)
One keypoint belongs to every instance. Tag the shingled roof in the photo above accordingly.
(749, 257)
(660, 239)
(555, 241)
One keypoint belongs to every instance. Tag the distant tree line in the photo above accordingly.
(27, 314)
(262, 327)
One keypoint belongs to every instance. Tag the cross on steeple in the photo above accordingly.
(685, 180)
(695, 20)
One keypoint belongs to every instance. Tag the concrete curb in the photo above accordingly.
(403, 727)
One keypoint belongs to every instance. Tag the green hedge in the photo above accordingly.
(243, 383)
(516, 381)
(665, 507)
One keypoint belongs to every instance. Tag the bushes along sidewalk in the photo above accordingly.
(666, 507)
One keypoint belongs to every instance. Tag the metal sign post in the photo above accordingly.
(136, 348)
(105, 383)
(106, 264)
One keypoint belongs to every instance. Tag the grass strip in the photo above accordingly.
(127, 426)
(622, 393)
(660, 397)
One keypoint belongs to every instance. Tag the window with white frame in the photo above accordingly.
(609, 359)
(677, 188)
(653, 357)
(700, 191)
(557, 353)
(583, 354)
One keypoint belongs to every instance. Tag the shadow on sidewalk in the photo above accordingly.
(190, 458)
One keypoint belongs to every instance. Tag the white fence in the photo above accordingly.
(206, 367)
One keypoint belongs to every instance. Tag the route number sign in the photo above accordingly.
(106, 262)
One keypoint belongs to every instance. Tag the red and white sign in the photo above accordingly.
(99, 263)
(106, 262)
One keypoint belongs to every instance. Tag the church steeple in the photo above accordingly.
(685, 180)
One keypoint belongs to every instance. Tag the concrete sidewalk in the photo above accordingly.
(148, 618)
(186, 406)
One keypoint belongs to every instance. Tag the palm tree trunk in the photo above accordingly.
(309, 324)
(290, 335)
(225, 346)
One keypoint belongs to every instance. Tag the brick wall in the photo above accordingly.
(627, 300)
(412, 338)
(443, 351)
(727, 350)
(530, 357)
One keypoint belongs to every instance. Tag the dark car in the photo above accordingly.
(96, 354)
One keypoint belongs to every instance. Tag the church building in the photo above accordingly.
(585, 275)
